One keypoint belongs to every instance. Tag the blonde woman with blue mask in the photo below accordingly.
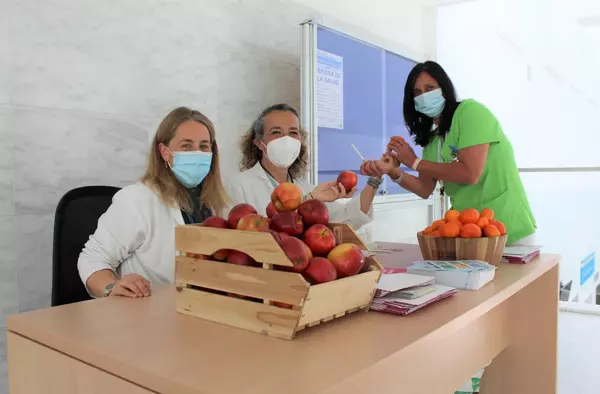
(274, 151)
(133, 248)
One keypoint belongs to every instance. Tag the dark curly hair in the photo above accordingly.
(252, 155)
(419, 125)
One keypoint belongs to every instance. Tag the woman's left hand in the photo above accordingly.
(401, 151)
(331, 191)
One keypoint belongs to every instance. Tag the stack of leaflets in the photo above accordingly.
(520, 254)
(462, 274)
(401, 293)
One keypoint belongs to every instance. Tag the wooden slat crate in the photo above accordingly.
(205, 286)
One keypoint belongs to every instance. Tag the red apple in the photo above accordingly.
(348, 179)
(348, 259)
(287, 222)
(215, 222)
(271, 211)
(239, 258)
(297, 252)
(286, 197)
(253, 222)
(274, 233)
(238, 212)
(221, 254)
(314, 212)
(320, 270)
(310, 253)
(319, 239)
(283, 236)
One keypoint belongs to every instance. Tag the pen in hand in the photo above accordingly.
(357, 152)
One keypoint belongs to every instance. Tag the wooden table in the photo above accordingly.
(117, 345)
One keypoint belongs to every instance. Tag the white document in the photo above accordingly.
(401, 281)
(330, 90)
(521, 250)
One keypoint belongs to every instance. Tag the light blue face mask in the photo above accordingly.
(190, 168)
(430, 103)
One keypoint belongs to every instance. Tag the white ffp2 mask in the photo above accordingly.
(283, 151)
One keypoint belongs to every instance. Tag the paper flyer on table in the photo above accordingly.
(394, 282)
(460, 265)
(330, 90)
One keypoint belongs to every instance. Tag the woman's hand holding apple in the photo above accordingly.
(331, 191)
(377, 168)
(401, 151)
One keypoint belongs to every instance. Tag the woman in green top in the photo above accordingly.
(464, 148)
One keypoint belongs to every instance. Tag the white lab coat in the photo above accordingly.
(254, 187)
(135, 235)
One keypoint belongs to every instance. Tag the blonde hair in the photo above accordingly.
(252, 155)
(161, 179)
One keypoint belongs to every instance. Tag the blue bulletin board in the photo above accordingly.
(358, 100)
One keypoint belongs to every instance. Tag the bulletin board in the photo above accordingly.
(353, 93)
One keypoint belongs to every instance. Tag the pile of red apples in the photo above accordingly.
(301, 229)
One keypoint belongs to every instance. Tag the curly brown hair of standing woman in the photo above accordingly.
(252, 155)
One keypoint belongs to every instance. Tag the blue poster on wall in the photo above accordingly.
(587, 267)
(360, 93)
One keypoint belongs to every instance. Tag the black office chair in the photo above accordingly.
(76, 219)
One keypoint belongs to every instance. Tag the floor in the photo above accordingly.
(578, 347)
(578, 353)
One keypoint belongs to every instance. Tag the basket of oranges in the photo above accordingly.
(464, 235)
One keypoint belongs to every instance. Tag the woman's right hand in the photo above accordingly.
(131, 285)
(377, 168)
(331, 191)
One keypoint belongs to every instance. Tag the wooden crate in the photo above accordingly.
(203, 285)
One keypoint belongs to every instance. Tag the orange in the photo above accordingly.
(470, 230)
(457, 222)
(437, 224)
(487, 213)
(499, 225)
(452, 214)
(435, 234)
(428, 230)
(450, 230)
(491, 231)
(469, 215)
(482, 222)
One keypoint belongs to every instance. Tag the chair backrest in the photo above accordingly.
(76, 219)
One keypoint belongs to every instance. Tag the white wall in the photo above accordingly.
(405, 22)
(537, 69)
(83, 84)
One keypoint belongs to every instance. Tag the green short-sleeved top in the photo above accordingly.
(499, 187)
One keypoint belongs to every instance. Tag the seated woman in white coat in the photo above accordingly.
(133, 248)
(274, 151)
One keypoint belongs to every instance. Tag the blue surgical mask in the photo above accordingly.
(190, 168)
(430, 103)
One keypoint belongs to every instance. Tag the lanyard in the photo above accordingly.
(440, 161)
(442, 199)
(187, 218)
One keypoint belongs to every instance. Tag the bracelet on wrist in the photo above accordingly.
(398, 180)
(374, 182)
(108, 289)
(415, 164)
